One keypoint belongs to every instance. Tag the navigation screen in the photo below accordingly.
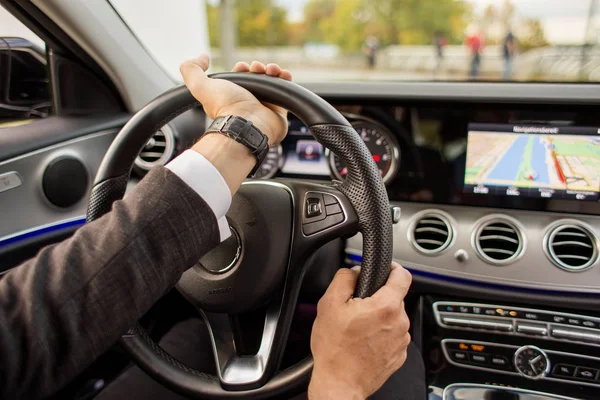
(533, 161)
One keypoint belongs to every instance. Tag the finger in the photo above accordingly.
(257, 67)
(397, 284)
(342, 287)
(194, 76)
(285, 74)
(273, 70)
(241, 67)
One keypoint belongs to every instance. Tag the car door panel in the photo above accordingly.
(28, 219)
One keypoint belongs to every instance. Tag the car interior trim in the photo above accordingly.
(533, 270)
(454, 386)
(520, 93)
(42, 230)
(354, 257)
(441, 318)
(515, 347)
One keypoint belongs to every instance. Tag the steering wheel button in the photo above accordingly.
(333, 209)
(314, 206)
(319, 226)
(329, 199)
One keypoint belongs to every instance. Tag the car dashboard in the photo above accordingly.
(499, 227)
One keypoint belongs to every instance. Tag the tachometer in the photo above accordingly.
(271, 165)
(382, 145)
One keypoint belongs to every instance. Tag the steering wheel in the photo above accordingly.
(276, 226)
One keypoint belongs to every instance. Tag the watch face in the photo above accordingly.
(531, 362)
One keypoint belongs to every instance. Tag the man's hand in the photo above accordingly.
(357, 344)
(220, 97)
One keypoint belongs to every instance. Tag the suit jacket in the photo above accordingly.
(62, 309)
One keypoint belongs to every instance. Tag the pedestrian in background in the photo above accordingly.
(370, 48)
(475, 44)
(509, 51)
(440, 42)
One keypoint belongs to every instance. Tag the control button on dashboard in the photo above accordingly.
(559, 319)
(496, 325)
(572, 334)
(589, 324)
(573, 321)
(564, 370)
(499, 362)
(479, 358)
(459, 356)
(531, 315)
(532, 329)
(586, 373)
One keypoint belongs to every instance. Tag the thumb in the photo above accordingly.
(342, 287)
(194, 75)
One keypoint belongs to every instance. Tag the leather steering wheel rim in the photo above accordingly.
(363, 187)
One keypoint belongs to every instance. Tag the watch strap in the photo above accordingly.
(244, 132)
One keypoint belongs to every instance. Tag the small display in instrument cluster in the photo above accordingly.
(303, 154)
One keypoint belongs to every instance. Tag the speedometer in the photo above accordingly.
(382, 145)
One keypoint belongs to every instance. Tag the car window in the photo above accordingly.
(24, 83)
(324, 40)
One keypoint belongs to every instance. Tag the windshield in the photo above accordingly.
(396, 40)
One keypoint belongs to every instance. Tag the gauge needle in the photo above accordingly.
(533, 361)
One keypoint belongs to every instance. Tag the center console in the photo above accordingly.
(479, 350)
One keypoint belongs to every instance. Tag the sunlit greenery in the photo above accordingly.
(347, 23)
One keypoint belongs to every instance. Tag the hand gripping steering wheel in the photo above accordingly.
(277, 225)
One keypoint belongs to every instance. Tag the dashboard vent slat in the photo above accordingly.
(498, 241)
(431, 233)
(158, 150)
(572, 247)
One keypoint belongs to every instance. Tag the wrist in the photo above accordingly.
(327, 387)
(257, 118)
(233, 160)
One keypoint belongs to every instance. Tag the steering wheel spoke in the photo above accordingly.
(242, 372)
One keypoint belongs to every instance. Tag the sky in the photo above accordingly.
(563, 20)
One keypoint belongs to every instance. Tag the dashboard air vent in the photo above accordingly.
(572, 247)
(498, 241)
(158, 150)
(431, 233)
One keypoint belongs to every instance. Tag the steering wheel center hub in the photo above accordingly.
(244, 271)
(224, 257)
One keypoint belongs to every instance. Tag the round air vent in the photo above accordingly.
(431, 233)
(498, 241)
(571, 247)
(158, 150)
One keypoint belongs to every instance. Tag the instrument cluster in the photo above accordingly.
(300, 155)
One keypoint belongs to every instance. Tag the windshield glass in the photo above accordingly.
(488, 40)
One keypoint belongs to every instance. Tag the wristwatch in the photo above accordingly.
(244, 132)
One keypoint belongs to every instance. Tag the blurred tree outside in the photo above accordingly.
(533, 36)
(347, 23)
(499, 19)
(257, 23)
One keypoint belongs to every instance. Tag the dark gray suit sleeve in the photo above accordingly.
(69, 304)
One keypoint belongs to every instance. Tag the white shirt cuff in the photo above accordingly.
(199, 174)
